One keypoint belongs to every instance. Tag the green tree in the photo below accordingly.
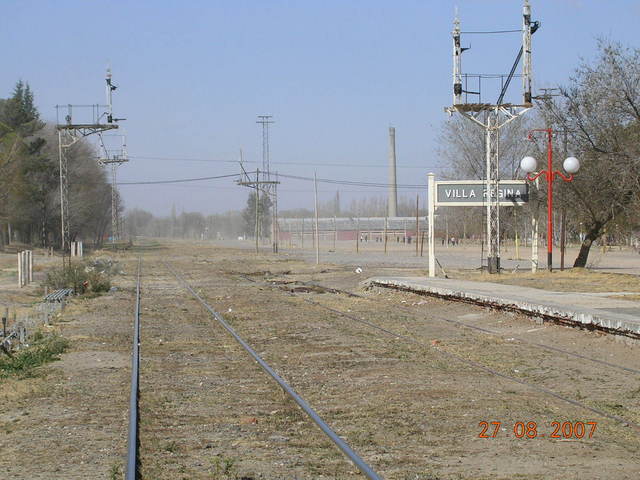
(19, 112)
(264, 214)
(29, 178)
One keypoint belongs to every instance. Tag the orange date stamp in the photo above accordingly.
(559, 430)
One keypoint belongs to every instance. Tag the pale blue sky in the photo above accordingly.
(193, 75)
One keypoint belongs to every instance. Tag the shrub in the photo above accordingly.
(43, 349)
(81, 277)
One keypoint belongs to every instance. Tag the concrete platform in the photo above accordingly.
(590, 310)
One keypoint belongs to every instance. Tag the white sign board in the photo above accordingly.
(467, 193)
(473, 193)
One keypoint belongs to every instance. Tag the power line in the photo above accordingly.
(348, 182)
(489, 32)
(185, 159)
(180, 180)
(293, 177)
(303, 164)
(285, 190)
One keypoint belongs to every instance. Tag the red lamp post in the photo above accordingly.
(529, 165)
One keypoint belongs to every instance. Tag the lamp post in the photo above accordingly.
(529, 165)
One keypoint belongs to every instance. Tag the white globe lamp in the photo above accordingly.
(529, 164)
(571, 165)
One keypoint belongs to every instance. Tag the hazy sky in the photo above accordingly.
(335, 74)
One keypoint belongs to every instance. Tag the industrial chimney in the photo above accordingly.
(393, 190)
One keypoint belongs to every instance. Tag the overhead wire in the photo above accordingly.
(489, 32)
(302, 164)
(179, 180)
(348, 182)
(293, 177)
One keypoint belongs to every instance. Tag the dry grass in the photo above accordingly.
(574, 280)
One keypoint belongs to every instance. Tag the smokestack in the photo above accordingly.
(393, 191)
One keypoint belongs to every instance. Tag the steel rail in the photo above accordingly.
(431, 316)
(472, 363)
(133, 441)
(480, 366)
(341, 444)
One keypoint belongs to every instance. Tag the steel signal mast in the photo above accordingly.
(100, 119)
(491, 117)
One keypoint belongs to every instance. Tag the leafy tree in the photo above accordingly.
(264, 214)
(29, 179)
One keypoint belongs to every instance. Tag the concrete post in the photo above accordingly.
(431, 196)
(534, 243)
(20, 265)
(30, 266)
(335, 233)
(534, 237)
(385, 235)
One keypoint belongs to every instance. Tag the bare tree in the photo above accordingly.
(461, 148)
(600, 108)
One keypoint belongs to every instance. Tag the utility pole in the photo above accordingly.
(392, 205)
(247, 181)
(417, 223)
(276, 226)
(317, 233)
(385, 234)
(257, 229)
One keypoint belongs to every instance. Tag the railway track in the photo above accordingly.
(352, 315)
(133, 443)
(466, 361)
(492, 333)
(466, 325)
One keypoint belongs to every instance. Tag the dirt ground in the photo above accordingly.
(574, 280)
(410, 410)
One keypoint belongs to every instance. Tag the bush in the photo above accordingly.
(81, 277)
(43, 349)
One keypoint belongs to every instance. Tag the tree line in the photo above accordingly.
(186, 225)
(30, 176)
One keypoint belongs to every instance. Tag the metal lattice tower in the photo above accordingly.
(265, 121)
(114, 157)
(492, 179)
(65, 141)
(491, 117)
(70, 133)
(271, 188)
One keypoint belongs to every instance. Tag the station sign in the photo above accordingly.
(473, 193)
